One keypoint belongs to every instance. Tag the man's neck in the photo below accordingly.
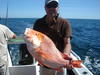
(51, 19)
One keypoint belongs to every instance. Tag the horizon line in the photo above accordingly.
(65, 18)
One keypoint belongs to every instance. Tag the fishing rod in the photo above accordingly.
(6, 19)
(0, 10)
(6, 22)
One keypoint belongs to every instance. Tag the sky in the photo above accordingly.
(79, 9)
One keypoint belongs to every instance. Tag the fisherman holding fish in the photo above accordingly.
(57, 29)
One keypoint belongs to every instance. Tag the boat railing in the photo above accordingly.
(18, 40)
(75, 55)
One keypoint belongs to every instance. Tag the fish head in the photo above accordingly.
(33, 37)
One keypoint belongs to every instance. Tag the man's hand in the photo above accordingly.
(68, 60)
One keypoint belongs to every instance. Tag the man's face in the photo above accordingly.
(51, 9)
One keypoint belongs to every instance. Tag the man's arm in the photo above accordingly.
(10, 34)
(67, 48)
(67, 51)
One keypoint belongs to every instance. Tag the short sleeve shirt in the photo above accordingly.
(5, 35)
(57, 31)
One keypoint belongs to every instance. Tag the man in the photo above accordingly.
(55, 27)
(5, 35)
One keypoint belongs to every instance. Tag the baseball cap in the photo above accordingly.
(49, 1)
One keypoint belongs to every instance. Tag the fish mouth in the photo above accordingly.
(26, 31)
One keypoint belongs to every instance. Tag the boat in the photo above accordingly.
(34, 68)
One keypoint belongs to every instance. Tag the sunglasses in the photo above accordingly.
(50, 6)
(53, 5)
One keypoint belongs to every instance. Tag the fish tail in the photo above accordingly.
(76, 63)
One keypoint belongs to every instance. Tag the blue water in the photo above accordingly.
(85, 41)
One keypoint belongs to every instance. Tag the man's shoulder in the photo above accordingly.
(40, 19)
(3, 27)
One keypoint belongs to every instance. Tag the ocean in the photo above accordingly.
(85, 40)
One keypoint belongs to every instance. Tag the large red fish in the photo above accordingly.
(45, 52)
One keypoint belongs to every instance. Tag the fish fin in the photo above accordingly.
(76, 63)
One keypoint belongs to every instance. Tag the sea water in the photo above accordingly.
(85, 39)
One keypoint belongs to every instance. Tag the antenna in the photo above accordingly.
(6, 20)
(0, 9)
